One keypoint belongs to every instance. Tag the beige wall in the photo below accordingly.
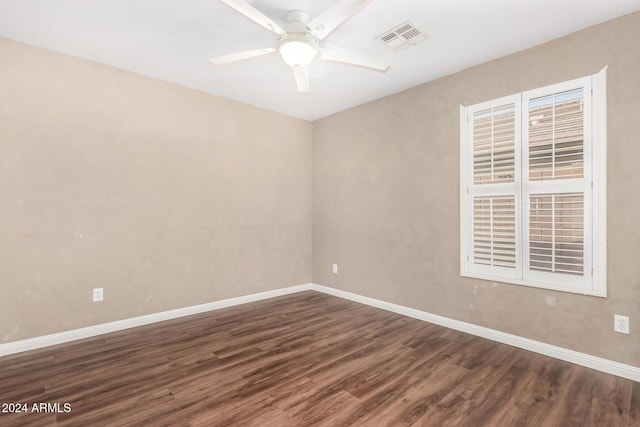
(386, 197)
(164, 196)
(168, 197)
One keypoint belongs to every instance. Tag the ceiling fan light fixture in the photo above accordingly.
(299, 41)
(298, 49)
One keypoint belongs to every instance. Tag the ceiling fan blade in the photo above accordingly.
(349, 57)
(331, 18)
(302, 78)
(254, 14)
(241, 56)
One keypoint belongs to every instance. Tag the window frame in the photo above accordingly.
(594, 185)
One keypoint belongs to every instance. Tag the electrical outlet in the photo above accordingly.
(98, 294)
(621, 324)
(335, 268)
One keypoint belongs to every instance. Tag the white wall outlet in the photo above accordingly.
(97, 294)
(335, 268)
(621, 324)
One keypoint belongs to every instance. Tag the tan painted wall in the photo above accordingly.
(386, 197)
(165, 196)
(168, 197)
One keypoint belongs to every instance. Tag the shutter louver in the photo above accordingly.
(494, 145)
(556, 233)
(556, 139)
(494, 231)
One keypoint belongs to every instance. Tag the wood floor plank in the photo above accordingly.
(307, 359)
(634, 405)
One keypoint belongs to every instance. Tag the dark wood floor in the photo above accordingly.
(304, 360)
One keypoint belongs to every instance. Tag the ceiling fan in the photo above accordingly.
(299, 42)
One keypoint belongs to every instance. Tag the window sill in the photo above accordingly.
(602, 293)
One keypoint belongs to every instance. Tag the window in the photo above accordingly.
(533, 180)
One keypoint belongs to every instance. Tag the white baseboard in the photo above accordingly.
(118, 325)
(593, 362)
(598, 363)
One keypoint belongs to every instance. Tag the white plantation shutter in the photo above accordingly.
(556, 136)
(492, 194)
(533, 207)
(494, 231)
(556, 141)
(556, 233)
(494, 145)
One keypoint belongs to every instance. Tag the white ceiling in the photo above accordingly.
(173, 41)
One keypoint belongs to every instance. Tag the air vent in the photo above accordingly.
(403, 36)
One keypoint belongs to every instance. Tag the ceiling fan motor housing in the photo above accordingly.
(298, 47)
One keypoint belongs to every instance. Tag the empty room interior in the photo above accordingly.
(331, 213)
